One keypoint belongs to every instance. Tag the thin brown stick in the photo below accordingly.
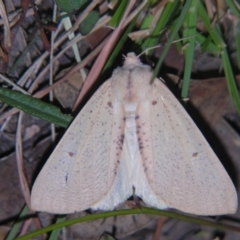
(19, 158)
(45, 91)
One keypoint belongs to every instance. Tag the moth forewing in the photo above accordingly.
(81, 170)
(183, 171)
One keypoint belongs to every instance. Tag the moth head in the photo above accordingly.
(131, 59)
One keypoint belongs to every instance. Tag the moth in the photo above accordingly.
(133, 134)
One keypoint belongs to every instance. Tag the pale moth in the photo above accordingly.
(133, 134)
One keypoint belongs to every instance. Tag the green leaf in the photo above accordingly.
(89, 22)
(70, 5)
(34, 107)
(116, 18)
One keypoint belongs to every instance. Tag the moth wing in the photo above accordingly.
(81, 170)
(180, 167)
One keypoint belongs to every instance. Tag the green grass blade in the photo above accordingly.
(168, 11)
(212, 31)
(55, 233)
(189, 32)
(233, 8)
(116, 18)
(172, 36)
(206, 45)
(17, 225)
(143, 210)
(236, 25)
(237, 41)
(232, 87)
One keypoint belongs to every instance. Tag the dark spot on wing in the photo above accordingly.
(195, 154)
(116, 166)
(109, 104)
(66, 178)
(70, 154)
(121, 139)
(154, 102)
